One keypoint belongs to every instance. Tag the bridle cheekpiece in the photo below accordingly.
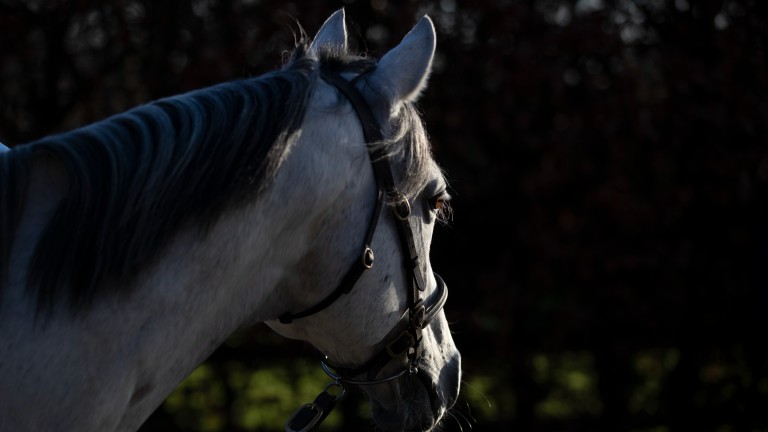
(420, 312)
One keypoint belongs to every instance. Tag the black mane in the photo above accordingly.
(136, 176)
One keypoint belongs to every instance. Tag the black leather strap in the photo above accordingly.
(408, 342)
(353, 274)
(398, 346)
(386, 189)
(382, 171)
(310, 415)
(371, 130)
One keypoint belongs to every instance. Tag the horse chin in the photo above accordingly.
(416, 415)
(419, 404)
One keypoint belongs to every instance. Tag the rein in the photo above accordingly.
(420, 312)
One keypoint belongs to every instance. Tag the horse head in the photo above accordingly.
(383, 328)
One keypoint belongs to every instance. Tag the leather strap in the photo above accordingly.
(383, 173)
(419, 314)
(357, 269)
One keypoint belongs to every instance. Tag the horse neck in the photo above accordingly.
(47, 186)
(131, 346)
(136, 344)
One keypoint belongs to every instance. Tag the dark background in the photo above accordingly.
(607, 256)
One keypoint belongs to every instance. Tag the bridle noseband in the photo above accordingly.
(407, 344)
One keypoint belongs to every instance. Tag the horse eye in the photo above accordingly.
(441, 205)
(438, 203)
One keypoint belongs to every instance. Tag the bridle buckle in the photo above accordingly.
(419, 315)
(402, 207)
(367, 258)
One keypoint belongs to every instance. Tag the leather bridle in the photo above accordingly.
(407, 344)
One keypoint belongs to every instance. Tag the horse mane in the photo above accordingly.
(137, 176)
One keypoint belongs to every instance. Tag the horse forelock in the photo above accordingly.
(135, 177)
(408, 144)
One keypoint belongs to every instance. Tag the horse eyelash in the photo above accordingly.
(441, 205)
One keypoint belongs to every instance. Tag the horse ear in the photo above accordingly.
(332, 34)
(403, 71)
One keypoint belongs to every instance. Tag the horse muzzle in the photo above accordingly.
(416, 402)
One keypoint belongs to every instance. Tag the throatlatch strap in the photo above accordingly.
(371, 130)
(353, 274)
(382, 170)
(383, 173)
(371, 133)
(419, 314)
